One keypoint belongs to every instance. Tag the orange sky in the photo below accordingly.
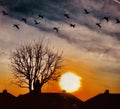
(91, 85)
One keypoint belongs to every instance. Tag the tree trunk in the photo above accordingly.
(40, 89)
(37, 86)
(30, 86)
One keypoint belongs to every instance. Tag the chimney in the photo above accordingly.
(106, 92)
(4, 91)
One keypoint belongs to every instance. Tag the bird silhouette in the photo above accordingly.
(106, 18)
(36, 22)
(117, 20)
(4, 13)
(72, 25)
(86, 11)
(24, 20)
(67, 16)
(40, 16)
(98, 24)
(55, 29)
(16, 26)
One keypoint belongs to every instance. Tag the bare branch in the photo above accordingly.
(34, 61)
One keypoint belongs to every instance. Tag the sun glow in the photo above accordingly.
(70, 82)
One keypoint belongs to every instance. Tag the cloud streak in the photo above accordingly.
(117, 1)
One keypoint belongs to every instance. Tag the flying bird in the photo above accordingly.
(67, 16)
(36, 22)
(86, 11)
(55, 29)
(117, 20)
(40, 16)
(98, 24)
(72, 25)
(4, 13)
(16, 26)
(24, 20)
(106, 18)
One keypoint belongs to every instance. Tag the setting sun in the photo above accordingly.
(70, 82)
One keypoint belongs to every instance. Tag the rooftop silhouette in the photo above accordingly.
(36, 100)
(104, 100)
(7, 100)
(48, 101)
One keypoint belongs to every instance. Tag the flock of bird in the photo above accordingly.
(98, 24)
(17, 26)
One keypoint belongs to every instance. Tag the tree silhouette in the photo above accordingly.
(33, 62)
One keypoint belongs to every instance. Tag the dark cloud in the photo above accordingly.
(30, 7)
(75, 7)
(53, 10)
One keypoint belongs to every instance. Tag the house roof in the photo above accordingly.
(6, 100)
(6, 96)
(103, 101)
(50, 100)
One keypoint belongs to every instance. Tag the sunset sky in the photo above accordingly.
(91, 52)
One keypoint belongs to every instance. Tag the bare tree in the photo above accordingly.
(33, 62)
